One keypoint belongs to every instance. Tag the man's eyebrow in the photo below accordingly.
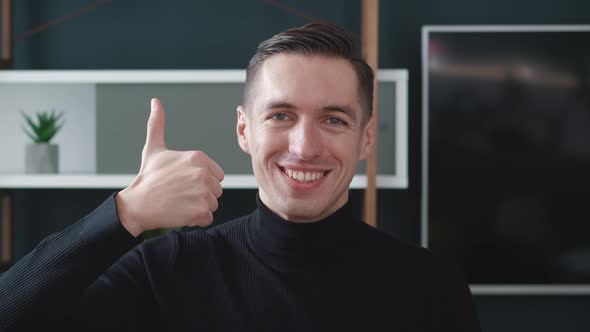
(342, 109)
(278, 104)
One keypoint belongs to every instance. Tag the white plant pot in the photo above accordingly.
(41, 158)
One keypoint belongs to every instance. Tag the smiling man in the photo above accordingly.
(305, 123)
(299, 262)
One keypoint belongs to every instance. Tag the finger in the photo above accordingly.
(215, 186)
(213, 203)
(215, 169)
(155, 128)
(206, 220)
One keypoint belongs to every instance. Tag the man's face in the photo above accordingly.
(304, 130)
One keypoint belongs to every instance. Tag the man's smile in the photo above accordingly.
(303, 179)
(303, 176)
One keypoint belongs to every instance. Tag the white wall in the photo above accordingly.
(77, 138)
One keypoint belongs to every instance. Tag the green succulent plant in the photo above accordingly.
(46, 126)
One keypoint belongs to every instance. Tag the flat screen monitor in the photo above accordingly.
(506, 153)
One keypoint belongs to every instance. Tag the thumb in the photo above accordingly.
(155, 128)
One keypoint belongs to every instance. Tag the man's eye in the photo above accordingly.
(280, 116)
(335, 121)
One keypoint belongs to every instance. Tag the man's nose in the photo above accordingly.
(305, 141)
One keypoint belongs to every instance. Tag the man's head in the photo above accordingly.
(314, 39)
(306, 120)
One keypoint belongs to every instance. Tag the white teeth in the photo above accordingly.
(304, 176)
(300, 176)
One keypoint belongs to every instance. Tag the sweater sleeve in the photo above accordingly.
(128, 295)
(453, 306)
(49, 282)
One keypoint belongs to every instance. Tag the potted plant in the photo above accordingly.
(42, 156)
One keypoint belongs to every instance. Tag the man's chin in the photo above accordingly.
(297, 206)
(302, 210)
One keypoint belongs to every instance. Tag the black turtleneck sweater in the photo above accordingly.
(256, 273)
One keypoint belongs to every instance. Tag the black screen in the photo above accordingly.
(509, 154)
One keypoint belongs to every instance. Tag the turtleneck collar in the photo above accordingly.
(301, 247)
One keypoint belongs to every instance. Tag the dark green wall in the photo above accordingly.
(137, 34)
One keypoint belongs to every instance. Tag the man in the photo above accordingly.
(299, 262)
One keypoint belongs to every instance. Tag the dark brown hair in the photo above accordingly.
(315, 39)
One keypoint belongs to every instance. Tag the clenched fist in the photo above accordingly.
(172, 188)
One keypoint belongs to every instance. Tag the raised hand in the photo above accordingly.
(172, 188)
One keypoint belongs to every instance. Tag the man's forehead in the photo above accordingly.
(296, 78)
(286, 61)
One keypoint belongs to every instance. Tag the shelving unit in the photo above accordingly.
(90, 177)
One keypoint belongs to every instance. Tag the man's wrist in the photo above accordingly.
(125, 215)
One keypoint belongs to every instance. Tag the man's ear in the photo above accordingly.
(242, 129)
(368, 139)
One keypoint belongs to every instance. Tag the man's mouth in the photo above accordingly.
(303, 176)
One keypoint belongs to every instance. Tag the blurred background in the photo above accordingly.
(175, 34)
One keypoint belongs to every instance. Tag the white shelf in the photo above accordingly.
(117, 181)
(122, 76)
(151, 76)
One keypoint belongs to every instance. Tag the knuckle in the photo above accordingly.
(200, 217)
(203, 221)
(193, 177)
(200, 211)
(193, 214)
(198, 174)
(189, 156)
(215, 205)
(205, 208)
(196, 216)
(197, 156)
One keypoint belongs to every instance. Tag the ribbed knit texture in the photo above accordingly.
(255, 273)
(40, 288)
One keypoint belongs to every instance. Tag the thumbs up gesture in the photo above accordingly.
(172, 188)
